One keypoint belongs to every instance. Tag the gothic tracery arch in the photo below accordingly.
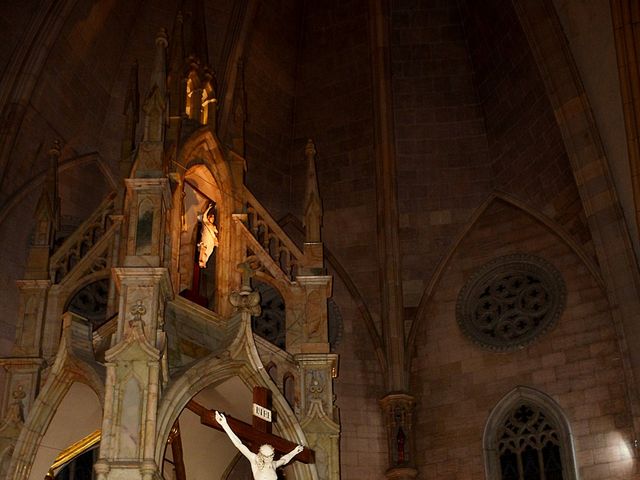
(526, 432)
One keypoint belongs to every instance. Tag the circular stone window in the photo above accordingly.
(510, 301)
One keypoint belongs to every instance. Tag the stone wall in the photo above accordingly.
(270, 82)
(443, 166)
(363, 448)
(578, 363)
(334, 107)
(526, 150)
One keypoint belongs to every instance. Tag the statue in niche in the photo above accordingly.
(262, 465)
(208, 237)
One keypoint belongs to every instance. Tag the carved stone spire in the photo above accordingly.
(154, 104)
(239, 113)
(48, 207)
(176, 65)
(131, 112)
(313, 203)
(150, 155)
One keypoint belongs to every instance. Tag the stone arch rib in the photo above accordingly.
(610, 234)
(550, 224)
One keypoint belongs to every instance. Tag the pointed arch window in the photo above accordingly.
(528, 438)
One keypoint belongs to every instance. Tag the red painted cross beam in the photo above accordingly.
(260, 432)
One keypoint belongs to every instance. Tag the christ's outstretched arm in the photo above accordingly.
(283, 460)
(222, 420)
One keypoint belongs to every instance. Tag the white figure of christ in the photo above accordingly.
(208, 237)
(262, 464)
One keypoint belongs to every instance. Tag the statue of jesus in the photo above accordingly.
(208, 237)
(262, 464)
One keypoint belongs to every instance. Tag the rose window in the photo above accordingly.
(509, 302)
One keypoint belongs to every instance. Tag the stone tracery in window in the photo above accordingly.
(528, 437)
(510, 301)
(529, 446)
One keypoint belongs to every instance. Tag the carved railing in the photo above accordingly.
(80, 242)
(273, 240)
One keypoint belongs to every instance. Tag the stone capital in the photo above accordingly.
(151, 185)
(316, 281)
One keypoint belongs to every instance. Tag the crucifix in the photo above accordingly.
(256, 435)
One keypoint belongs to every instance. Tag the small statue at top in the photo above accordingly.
(262, 464)
(208, 237)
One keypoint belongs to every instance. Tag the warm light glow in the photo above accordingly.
(187, 106)
(204, 112)
(626, 450)
(622, 452)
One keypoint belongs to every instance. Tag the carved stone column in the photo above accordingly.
(134, 377)
(315, 330)
(25, 365)
(319, 417)
(137, 361)
(148, 201)
(398, 409)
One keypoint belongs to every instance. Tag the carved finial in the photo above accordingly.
(313, 204)
(239, 112)
(177, 52)
(154, 106)
(132, 100)
(246, 299)
(159, 75)
(19, 394)
(15, 410)
(55, 150)
(315, 387)
(161, 38)
(52, 173)
(246, 302)
(247, 273)
(138, 310)
(47, 211)
(131, 111)
(310, 150)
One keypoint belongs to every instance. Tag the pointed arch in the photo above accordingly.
(204, 148)
(289, 388)
(539, 402)
(547, 222)
(66, 371)
(272, 371)
(214, 369)
(202, 169)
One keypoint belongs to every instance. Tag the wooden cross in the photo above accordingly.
(257, 434)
